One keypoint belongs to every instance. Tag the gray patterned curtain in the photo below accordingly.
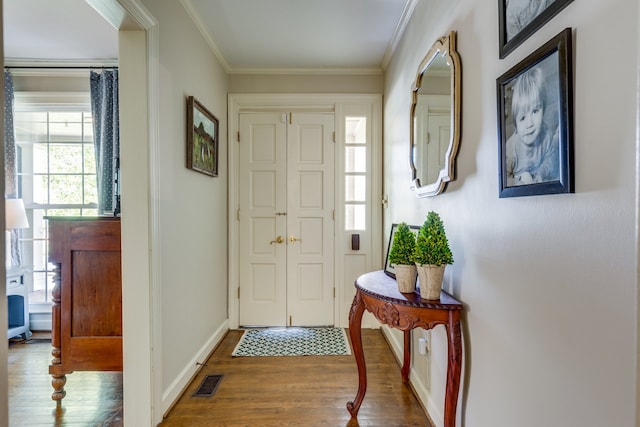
(10, 164)
(106, 137)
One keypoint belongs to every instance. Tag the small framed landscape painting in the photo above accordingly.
(202, 138)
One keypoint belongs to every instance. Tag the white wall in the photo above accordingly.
(306, 83)
(192, 207)
(549, 282)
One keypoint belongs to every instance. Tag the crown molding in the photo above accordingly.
(196, 20)
(399, 31)
(314, 71)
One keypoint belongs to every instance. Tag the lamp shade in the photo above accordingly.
(15, 215)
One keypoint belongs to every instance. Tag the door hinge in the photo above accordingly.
(334, 136)
(238, 136)
(290, 118)
(334, 292)
(238, 292)
(333, 215)
(290, 320)
(238, 214)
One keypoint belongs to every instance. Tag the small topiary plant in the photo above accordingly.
(432, 246)
(403, 246)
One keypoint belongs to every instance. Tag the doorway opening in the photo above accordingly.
(293, 260)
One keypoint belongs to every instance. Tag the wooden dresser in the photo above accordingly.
(87, 297)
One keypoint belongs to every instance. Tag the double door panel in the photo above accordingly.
(286, 219)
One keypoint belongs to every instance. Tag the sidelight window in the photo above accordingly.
(355, 172)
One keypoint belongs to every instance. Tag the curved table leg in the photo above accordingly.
(454, 369)
(406, 364)
(355, 333)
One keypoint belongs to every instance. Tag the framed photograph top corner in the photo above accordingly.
(202, 138)
(519, 19)
(535, 122)
(388, 267)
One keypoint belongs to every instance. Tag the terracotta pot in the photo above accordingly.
(406, 277)
(430, 280)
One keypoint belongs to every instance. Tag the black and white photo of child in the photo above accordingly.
(532, 147)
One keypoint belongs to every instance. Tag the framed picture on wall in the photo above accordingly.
(202, 138)
(519, 19)
(388, 267)
(535, 122)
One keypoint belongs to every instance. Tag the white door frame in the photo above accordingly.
(238, 103)
(139, 42)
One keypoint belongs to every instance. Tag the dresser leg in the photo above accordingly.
(58, 382)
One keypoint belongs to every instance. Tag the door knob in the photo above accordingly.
(279, 239)
(293, 239)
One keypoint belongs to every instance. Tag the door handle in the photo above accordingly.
(293, 239)
(281, 213)
(279, 239)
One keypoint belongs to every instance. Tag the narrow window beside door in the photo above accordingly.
(355, 173)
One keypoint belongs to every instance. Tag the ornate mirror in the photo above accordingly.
(435, 118)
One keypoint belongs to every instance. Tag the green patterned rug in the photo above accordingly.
(293, 342)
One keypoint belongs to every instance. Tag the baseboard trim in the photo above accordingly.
(172, 393)
(40, 321)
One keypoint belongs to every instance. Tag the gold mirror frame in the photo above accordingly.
(444, 48)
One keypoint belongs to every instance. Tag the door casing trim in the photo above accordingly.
(239, 103)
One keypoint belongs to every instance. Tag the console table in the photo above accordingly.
(378, 293)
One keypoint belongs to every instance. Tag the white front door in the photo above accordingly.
(286, 219)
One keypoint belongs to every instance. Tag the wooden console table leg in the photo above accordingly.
(406, 364)
(454, 368)
(355, 333)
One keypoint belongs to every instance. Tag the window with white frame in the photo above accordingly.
(56, 172)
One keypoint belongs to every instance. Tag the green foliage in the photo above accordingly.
(403, 245)
(432, 246)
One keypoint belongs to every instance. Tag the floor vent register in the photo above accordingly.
(208, 386)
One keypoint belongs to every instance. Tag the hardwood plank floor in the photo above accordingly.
(93, 398)
(304, 391)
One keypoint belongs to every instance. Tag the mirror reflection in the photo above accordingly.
(435, 118)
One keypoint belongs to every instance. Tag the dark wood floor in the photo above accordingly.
(255, 391)
(93, 398)
(304, 391)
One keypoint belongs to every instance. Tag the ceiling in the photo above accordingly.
(59, 31)
(247, 36)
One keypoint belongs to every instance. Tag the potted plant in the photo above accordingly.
(401, 257)
(431, 255)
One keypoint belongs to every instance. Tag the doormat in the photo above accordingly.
(293, 342)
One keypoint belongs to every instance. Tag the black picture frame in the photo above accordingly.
(202, 138)
(516, 27)
(388, 268)
(550, 169)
